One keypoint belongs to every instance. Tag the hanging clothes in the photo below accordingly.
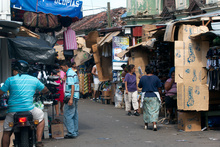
(70, 39)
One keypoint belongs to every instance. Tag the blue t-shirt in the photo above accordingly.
(149, 84)
(131, 82)
(22, 89)
(72, 79)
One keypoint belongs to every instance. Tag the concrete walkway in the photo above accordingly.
(105, 126)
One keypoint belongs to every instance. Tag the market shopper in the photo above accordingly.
(71, 101)
(74, 67)
(171, 96)
(131, 91)
(22, 88)
(96, 81)
(150, 85)
(61, 81)
(123, 74)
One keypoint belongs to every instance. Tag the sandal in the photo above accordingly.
(146, 126)
(69, 137)
(155, 128)
(39, 144)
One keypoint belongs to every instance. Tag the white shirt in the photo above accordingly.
(95, 78)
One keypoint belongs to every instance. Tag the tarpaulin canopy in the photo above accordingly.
(31, 49)
(71, 8)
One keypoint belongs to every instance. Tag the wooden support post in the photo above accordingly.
(109, 15)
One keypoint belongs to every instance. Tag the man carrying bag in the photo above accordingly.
(71, 101)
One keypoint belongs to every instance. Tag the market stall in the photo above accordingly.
(196, 63)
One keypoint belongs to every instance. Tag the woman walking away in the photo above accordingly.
(131, 91)
(151, 100)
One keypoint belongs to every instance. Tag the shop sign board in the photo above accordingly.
(189, 121)
(192, 97)
(119, 44)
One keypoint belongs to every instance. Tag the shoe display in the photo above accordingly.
(53, 78)
(54, 83)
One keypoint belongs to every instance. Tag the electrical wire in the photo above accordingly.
(95, 9)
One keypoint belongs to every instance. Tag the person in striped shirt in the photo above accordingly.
(22, 88)
(71, 105)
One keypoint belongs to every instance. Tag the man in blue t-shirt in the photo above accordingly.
(22, 88)
(71, 105)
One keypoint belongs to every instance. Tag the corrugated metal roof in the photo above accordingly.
(207, 34)
(210, 14)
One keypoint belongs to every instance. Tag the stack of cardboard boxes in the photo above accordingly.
(191, 77)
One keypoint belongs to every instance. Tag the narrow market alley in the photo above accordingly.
(105, 126)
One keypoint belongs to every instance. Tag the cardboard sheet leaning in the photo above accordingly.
(190, 73)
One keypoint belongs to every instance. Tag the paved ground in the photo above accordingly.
(105, 126)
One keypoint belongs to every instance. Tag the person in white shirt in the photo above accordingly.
(95, 80)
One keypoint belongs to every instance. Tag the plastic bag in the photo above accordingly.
(39, 105)
(118, 98)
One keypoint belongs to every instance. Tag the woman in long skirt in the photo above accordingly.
(151, 101)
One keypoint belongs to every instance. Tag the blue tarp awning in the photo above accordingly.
(71, 8)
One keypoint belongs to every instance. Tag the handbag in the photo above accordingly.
(66, 99)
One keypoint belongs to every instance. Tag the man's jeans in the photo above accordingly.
(71, 118)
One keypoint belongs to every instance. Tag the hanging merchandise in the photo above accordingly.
(89, 82)
(41, 20)
(70, 39)
(86, 88)
(213, 65)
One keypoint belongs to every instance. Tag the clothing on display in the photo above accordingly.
(213, 65)
(70, 39)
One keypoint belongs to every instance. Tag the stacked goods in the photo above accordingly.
(89, 82)
(190, 73)
(81, 82)
(86, 88)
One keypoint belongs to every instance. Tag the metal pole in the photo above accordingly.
(109, 15)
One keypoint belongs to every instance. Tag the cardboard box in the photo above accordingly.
(106, 93)
(92, 39)
(191, 54)
(185, 31)
(194, 75)
(192, 97)
(189, 121)
(57, 130)
(147, 32)
(139, 57)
